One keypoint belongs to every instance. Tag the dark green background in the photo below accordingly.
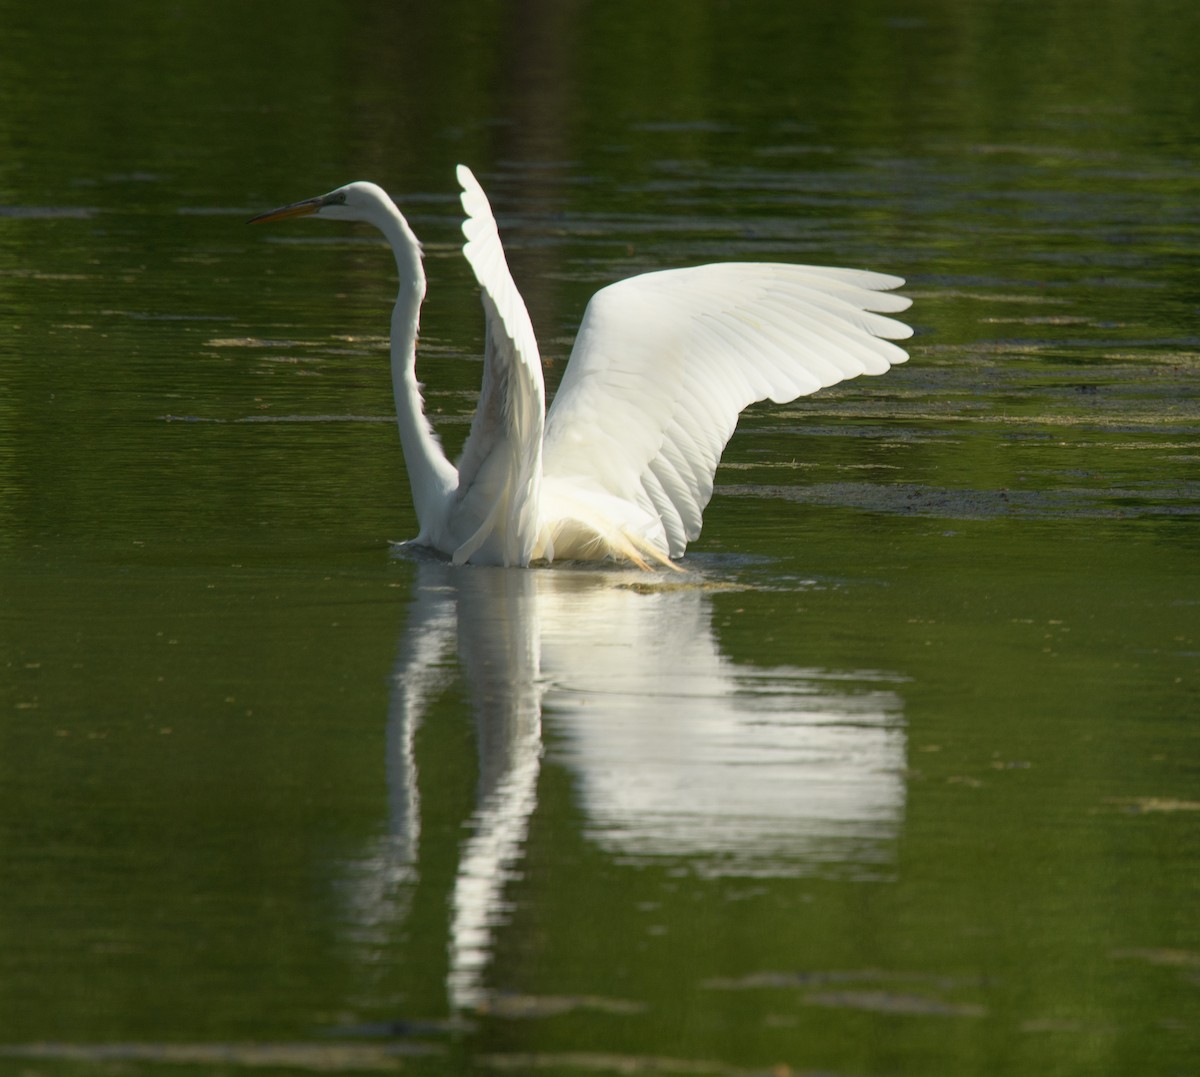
(200, 617)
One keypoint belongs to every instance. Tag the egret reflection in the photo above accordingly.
(678, 754)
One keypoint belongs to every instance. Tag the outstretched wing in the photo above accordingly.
(495, 518)
(664, 363)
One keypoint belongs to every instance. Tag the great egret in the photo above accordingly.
(622, 466)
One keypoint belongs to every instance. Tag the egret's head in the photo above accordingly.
(354, 202)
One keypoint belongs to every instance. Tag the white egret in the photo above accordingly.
(622, 465)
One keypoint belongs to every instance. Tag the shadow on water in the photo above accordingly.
(678, 756)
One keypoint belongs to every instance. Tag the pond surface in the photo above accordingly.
(900, 776)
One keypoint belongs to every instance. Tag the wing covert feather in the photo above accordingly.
(664, 363)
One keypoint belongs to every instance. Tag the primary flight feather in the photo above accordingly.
(622, 465)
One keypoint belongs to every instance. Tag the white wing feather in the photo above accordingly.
(495, 519)
(664, 363)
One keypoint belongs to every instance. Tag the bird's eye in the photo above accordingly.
(336, 198)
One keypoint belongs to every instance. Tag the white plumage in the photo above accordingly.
(622, 466)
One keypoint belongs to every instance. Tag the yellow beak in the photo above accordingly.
(293, 209)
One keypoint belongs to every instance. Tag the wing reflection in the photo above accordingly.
(744, 771)
(499, 653)
(678, 753)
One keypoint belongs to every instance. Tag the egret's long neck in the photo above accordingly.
(430, 474)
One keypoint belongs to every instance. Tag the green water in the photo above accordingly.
(902, 777)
